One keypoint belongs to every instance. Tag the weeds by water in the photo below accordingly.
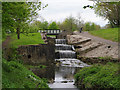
(99, 76)
(15, 75)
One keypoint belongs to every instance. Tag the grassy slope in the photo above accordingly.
(15, 75)
(110, 34)
(30, 39)
(99, 76)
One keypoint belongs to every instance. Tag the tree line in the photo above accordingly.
(70, 24)
(20, 17)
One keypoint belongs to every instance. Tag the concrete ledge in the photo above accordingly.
(88, 48)
(77, 39)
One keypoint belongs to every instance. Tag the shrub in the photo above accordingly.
(99, 76)
(15, 75)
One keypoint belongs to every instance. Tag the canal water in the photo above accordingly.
(68, 65)
(62, 74)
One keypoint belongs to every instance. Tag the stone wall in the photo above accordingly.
(64, 34)
(48, 72)
(38, 54)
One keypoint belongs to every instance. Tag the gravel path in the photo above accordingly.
(98, 39)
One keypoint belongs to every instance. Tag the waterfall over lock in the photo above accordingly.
(66, 54)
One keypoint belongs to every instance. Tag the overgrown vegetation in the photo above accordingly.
(110, 11)
(26, 39)
(99, 76)
(15, 75)
(110, 34)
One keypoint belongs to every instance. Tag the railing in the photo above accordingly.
(51, 31)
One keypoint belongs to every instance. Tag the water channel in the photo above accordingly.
(62, 75)
(69, 65)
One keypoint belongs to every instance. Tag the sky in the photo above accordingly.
(58, 10)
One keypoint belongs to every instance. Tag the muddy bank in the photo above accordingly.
(95, 60)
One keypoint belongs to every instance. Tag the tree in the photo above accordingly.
(17, 13)
(53, 25)
(93, 27)
(68, 24)
(87, 26)
(97, 27)
(70, 21)
(44, 25)
(79, 21)
(109, 11)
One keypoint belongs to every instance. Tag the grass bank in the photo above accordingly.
(110, 34)
(99, 76)
(15, 75)
(26, 39)
(53, 36)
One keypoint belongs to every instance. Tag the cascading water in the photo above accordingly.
(67, 56)
(63, 47)
(69, 65)
(60, 41)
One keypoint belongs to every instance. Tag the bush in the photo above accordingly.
(15, 75)
(99, 76)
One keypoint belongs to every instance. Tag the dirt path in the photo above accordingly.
(5, 44)
(98, 39)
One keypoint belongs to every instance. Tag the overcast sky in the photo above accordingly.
(58, 10)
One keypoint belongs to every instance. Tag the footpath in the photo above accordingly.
(5, 43)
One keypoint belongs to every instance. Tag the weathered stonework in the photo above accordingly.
(48, 72)
(38, 54)
(63, 35)
(87, 47)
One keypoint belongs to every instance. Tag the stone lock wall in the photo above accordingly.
(64, 34)
(37, 54)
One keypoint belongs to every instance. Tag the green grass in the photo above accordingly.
(15, 75)
(54, 36)
(26, 39)
(110, 34)
(99, 76)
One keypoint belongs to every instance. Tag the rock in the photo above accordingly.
(77, 39)
(89, 48)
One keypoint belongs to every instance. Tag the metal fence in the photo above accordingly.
(51, 32)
